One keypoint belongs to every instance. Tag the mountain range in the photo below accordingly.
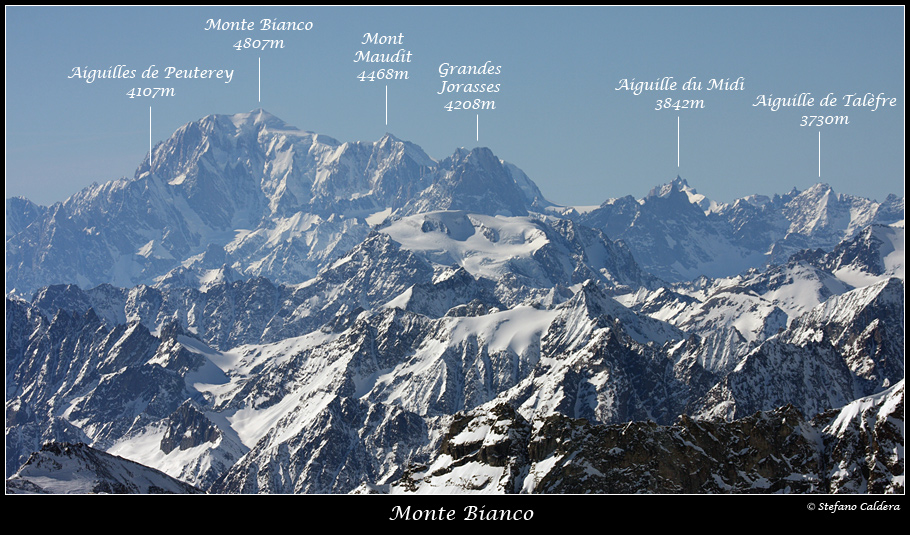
(263, 309)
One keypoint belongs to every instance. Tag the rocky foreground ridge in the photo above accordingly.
(495, 450)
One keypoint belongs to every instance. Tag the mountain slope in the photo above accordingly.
(62, 468)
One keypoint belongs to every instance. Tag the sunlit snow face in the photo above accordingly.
(484, 245)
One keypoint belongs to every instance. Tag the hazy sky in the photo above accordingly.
(558, 114)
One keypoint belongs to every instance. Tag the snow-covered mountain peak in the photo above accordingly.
(387, 138)
(390, 143)
(460, 153)
(476, 157)
(679, 185)
(818, 190)
(259, 118)
(820, 209)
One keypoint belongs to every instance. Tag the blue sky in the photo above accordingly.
(558, 115)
